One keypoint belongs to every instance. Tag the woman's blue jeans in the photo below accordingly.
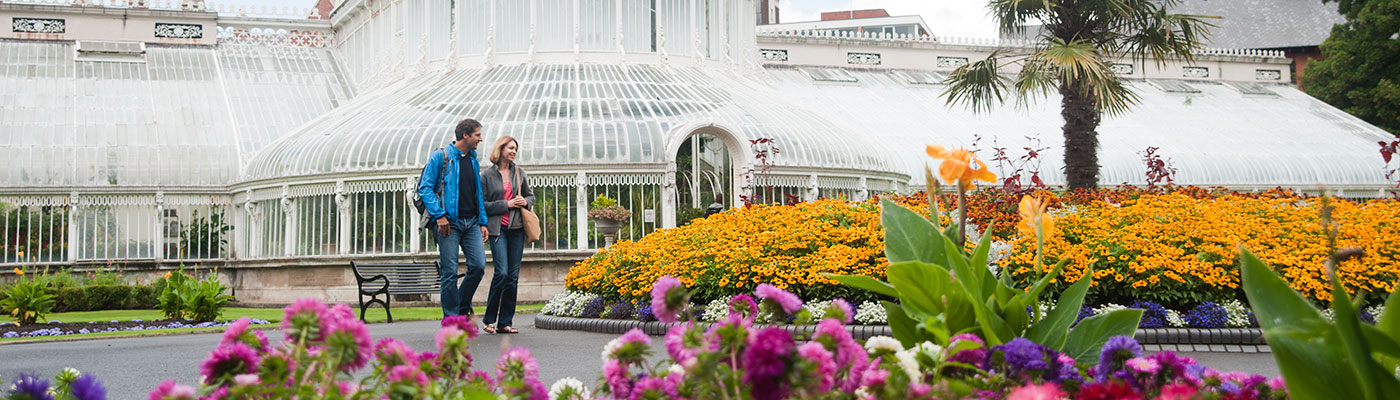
(506, 250)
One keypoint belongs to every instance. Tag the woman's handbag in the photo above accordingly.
(528, 219)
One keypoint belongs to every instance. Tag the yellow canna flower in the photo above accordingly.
(19, 272)
(1032, 213)
(959, 166)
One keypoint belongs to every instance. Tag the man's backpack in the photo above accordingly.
(427, 220)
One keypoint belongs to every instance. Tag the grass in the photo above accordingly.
(270, 314)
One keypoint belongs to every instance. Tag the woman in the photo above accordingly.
(505, 190)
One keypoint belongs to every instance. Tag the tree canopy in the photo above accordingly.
(1360, 69)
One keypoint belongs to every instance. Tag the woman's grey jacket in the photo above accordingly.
(493, 192)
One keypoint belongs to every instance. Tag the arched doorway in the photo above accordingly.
(704, 167)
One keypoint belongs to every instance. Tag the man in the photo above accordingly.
(460, 214)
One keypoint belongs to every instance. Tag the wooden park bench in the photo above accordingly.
(374, 280)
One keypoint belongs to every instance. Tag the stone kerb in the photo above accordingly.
(1229, 340)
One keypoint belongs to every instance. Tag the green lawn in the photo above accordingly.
(270, 314)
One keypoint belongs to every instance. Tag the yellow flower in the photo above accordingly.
(19, 272)
(1033, 214)
(959, 166)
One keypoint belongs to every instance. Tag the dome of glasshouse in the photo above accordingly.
(172, 132)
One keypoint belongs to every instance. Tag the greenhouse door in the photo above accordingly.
(704, 178)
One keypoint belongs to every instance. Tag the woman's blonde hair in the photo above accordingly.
(500, 146)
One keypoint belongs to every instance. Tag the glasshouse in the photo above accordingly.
(288, 141)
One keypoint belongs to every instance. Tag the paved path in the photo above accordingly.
(132, 367)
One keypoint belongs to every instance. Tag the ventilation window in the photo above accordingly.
(1250, 88)
(920, 77)
(102, 50)
(828, 74)
(1173, 86)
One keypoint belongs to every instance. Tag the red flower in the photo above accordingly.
(1116, 390)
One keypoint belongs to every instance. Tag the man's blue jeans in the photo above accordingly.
(457, 300)
(506, 250)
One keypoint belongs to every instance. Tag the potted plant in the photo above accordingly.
(608, 217)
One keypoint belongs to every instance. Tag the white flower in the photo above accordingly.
(1329, 314)
(71, 371)
(677, 369)
(817, 309)
(878, 343)
(716, 310)
(568, 386)
(870, 313)
(610, 348)
(909, 364)
(863, 393)
(1108, 308)
(1237, 315)
(1174, 319)
(933, 351)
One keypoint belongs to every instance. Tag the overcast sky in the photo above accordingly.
(944, 17)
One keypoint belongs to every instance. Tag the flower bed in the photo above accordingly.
(1175, 246)
(9, 330)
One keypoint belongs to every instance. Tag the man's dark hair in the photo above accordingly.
(466, 127)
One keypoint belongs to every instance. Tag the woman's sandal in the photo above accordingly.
(507, 329)
(488, 328)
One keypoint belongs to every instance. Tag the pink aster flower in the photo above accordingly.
(765, 362)
(447, 336)
(788, 301)
(619, 381)
(409, 375)
(170, 389)
(1044, 391)
(1277, 383)
(1142, 365)
(743, 306)
(463, 323)
(392, 352)
(1178, 391)
(681, 352)
(347, 388)
(246, 380)
(874, 377)
(665, 303)
(840, 305)
(826, 367)
(518, 357)
(349, 341)
(226, 361)
(482, 379)
(653, 387)
(238, 332)
(305, 318)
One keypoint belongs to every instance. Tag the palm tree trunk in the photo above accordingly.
(1081, 115)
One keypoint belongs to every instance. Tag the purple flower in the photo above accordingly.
(973, 357)
(169, 389)
(816, 354)
(349, 344)
(744, 306)
(850, 356)
(765, 362)
(667, 297)
(226, 361)
(409, 375)
(305, 319)
(653, 387)
(32, 387)
(788, 301)
(1117, 350)
(1145, 366)
(87, 387)
(462, 323)
(1173, 365)
(1021, 356)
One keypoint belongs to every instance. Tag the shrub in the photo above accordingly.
(185, 297)
(27, 300)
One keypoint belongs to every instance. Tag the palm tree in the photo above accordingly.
(1078, 40)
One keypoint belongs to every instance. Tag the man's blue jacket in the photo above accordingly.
(428, 184)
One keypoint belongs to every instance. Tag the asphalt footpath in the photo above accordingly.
(132, 367)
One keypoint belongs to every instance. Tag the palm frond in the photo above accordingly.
(1081, 63)
(978, 85)
(1036, 81)
(1011, 15)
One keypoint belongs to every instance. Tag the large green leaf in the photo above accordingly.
(1389, 320)
(904, 328)
(979, 264)
(1311, 365)
(1087, 339)
(1040, 285)
(921, 287)
(1348, 323)
(908, 236)
(865, 282)
(1381, 344)
(971, 280)
(994, 328)
(1051, 330)
(1274, 302)
(1015, 315)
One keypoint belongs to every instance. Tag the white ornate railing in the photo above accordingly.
(275, 37)
(967, 41)
(186, 5)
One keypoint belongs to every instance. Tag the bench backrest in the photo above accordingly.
(403, 278)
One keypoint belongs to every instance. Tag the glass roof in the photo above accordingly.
(1216, 136)
(603, 115)
(182, 116)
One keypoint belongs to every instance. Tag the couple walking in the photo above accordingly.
(471, 207)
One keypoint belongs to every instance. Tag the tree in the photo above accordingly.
(1360, 69)
(1072, 55)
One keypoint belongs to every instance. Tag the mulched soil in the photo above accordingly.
(90, 326)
